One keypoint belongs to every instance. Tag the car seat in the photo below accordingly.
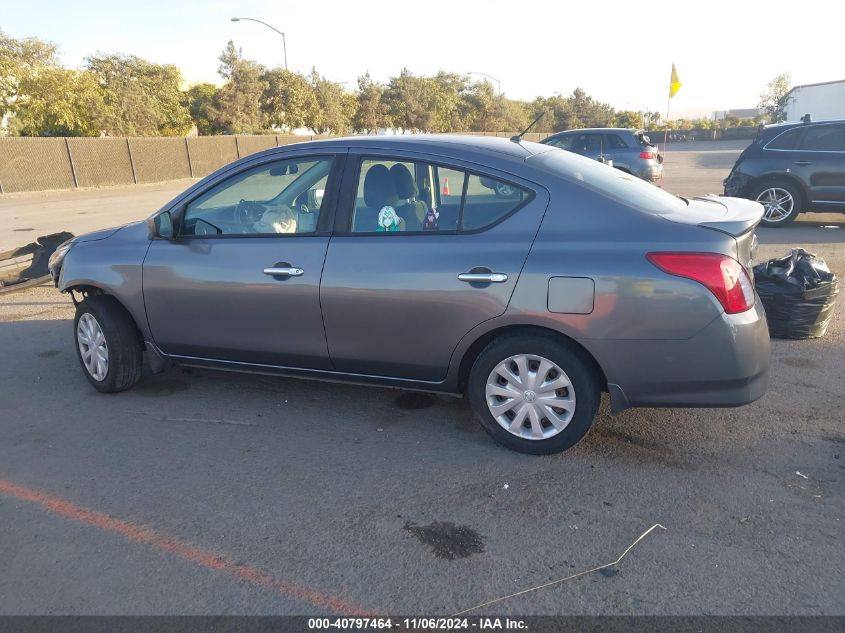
(412, 211)
(379, 191)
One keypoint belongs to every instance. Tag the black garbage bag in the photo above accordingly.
(798, 292)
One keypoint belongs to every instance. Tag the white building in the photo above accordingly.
(821, 101)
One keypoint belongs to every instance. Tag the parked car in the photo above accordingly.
(791, 168)
(586, 280)
(630, 150)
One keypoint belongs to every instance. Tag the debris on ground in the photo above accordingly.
(26, 266)
(798, 292)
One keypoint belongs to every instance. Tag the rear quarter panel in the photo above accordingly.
(586, 235)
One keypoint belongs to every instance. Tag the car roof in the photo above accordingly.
(785, 125)
(452, 143)
(599, 129)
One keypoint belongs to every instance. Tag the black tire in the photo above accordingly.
(794, 192)
(122, 341)
(572, 360)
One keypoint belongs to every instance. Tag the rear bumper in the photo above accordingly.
(736, 184)
(724, 365)
(651, 173)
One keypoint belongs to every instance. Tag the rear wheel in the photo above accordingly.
(534, 394)
(781, 202)
(107, 344)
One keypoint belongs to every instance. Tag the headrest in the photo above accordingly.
(379, 189)
(403, 181)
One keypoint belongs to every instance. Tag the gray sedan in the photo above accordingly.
(391, 261)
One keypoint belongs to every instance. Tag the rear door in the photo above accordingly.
(820, 160)
(397, 302)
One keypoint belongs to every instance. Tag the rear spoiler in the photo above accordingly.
(739, 219)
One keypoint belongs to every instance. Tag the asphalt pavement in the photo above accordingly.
(202, 492)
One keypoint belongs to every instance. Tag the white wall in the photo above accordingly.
(821, 102)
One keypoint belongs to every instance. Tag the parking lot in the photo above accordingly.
(202, 492)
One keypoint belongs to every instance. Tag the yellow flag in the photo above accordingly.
(674, 82)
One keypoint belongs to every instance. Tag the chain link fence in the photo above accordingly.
(39, 164)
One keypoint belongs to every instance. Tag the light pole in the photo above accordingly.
(282, 33)
(498, 83)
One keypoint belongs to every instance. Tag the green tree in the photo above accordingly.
(58, 102)
(288, 101)
(370, 110)
(200, 101)
(773, 100)
(333, 113)
(238, 104)
(141, 98)
(405, 98)
(19, 60)
(628, 118)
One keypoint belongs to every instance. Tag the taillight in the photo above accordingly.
(722, 275)
(648, 155)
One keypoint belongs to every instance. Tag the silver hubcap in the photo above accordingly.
(92, 347)
(777, 202)
(530, 397)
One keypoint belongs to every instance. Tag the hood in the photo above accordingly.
(99, 235)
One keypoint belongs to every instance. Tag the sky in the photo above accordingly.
(618, 52)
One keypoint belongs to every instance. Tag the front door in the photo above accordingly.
(240, 282)
(398, 299)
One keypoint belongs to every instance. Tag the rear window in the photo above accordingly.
(616, 184)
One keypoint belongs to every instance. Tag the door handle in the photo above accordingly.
(291, 271)
(803, 163)
(486, 278)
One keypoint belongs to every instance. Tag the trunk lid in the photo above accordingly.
(736, 217)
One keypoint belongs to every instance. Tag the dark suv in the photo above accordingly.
(630, 150)
(791, 168)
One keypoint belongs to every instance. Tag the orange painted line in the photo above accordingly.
(197, 555)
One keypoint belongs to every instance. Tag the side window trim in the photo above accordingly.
(327, 213)
(349, 189)
(797, 141)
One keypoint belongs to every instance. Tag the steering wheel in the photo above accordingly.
(248, 212)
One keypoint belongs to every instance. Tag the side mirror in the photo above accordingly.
(163, 226)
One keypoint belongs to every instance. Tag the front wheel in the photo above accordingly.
(107, 344)
(781, 203)
(534, 394)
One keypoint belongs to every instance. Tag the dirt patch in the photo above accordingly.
(50, 353)
(448, 540)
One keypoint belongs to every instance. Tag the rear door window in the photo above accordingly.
(395, 196)
(824, 138)
(614, 141)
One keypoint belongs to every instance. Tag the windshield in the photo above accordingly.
(609, 181)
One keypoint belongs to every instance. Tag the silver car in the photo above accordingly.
(391, 261)
(628, 149)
